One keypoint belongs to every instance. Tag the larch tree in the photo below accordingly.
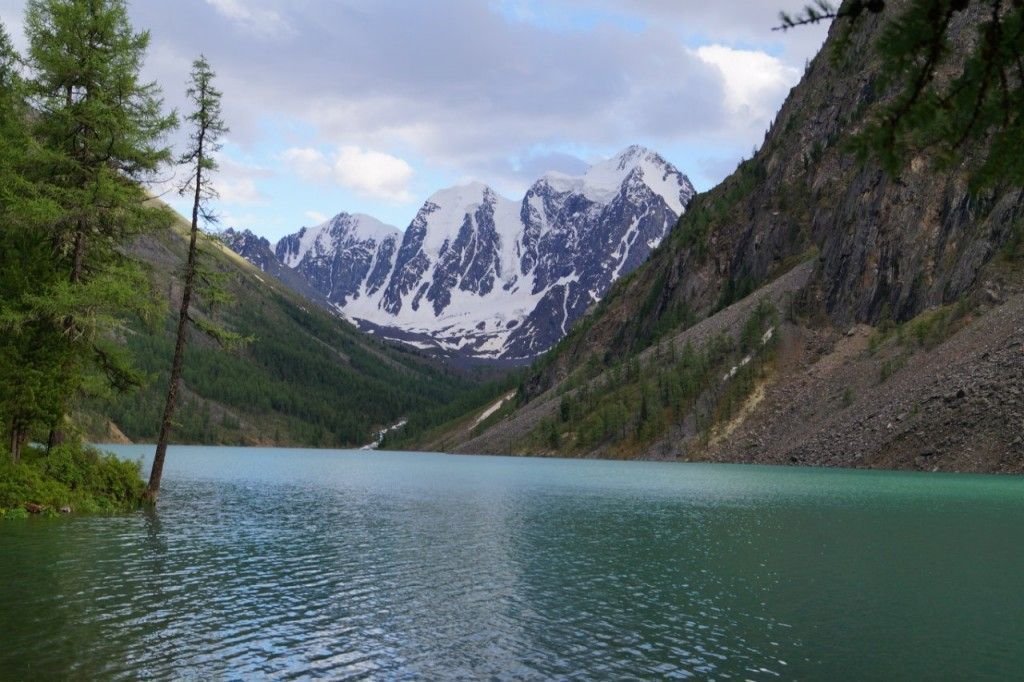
(207, 128)
(100, 131)
(29, 361)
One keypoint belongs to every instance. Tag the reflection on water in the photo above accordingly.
(290, 563)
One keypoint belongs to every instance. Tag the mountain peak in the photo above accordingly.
(445, 211)
(328, 236)
(479, 275)
(358, 225)
(603, 181)
(635, 154)
(462, 196)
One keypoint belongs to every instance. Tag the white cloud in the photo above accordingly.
(375, 174)
(470, 88)
(371, 173)
(755, 82)
(263, 22)
(236, 179)
(310, 165)
(317, 217)
(241, 191)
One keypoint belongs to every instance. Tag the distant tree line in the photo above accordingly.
(628, 407)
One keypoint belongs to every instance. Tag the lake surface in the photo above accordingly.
(376, 565)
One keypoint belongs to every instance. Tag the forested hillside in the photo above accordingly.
(818, 306)
(306, 377)
(103, 286)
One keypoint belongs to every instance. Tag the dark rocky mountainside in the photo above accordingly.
(886, 296)
(260, 252)
(887, 247)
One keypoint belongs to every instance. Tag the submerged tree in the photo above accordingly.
(946, 98)
(207, 128)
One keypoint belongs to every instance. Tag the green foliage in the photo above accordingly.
(932, 327)
(677, 316)
(431, 421)
(890, 367)
(633, 403)
(83, 133)
(927, 330)
(822, 10)
(951, 100)
(980, 106)
(30, 353)
(735, 289)
(565, 408)
(708, 211)
(306, 378)
(78, 477)
(552, 436)
(207, 127)
(754, 329)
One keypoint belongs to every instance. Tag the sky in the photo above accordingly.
(370, 106)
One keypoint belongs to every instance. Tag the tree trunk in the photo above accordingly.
(16, 442)
(157, 472)
(79, 253)
(56, 438)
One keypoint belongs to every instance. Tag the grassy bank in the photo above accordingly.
(74, 478)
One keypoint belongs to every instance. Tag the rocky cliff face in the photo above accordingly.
(260, 252)
(887, 247)
(482, 276)
(899, 311)
(340, 256)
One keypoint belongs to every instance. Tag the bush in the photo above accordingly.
(75, 476)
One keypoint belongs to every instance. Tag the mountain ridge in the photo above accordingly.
(482, 276)
(811, 309)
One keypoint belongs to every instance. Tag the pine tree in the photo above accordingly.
(29, 360)
(207, 128)
(102, 131)
(102, 125)
(99, 130)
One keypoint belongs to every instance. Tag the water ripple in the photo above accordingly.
(356, 566)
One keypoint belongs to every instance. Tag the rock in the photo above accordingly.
(65, 510)
(953, 397)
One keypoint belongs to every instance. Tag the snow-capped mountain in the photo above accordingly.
(476, 274)
(344, 257)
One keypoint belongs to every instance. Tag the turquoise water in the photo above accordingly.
(296, 563)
